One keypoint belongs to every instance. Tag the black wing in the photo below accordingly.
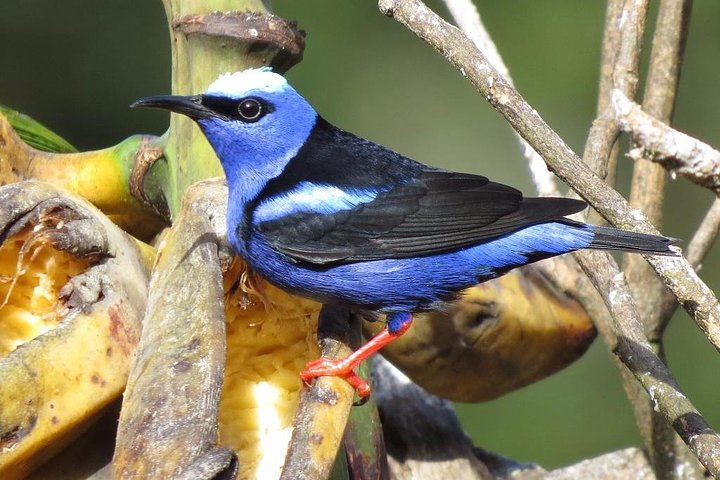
(428, 212)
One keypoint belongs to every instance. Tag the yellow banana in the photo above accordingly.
(69, 321)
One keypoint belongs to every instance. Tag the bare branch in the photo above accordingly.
(622, 46)
(677, 152)
(467, 18)
(705, 236)
(564, 271)
(678, 275)
(670, 458)
(697, 298)
(648, 185)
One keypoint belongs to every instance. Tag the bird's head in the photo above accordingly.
(253, 119)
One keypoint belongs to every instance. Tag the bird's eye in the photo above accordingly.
(251, 110)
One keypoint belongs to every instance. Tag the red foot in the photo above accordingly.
(345, 367)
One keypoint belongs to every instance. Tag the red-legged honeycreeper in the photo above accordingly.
(324, 214)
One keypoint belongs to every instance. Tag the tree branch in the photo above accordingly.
(648, 184)
(705, 236)
(622, 46)
(565, 271)
(698, 248)
(669, 457)
(677, 152)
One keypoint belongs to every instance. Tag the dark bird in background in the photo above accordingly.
(324, 214)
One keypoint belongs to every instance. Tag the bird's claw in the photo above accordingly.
(327, 367)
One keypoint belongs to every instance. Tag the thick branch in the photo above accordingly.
(676, 151)
(677, 274)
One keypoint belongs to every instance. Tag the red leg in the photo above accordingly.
(398, 324)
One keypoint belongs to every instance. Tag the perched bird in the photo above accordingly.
(330, 216)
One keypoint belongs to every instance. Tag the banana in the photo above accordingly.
(103, 177)
(270, 338)
(32, 273)
(497, 337)
(69, 322)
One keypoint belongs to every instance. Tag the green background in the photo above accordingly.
(76, 65)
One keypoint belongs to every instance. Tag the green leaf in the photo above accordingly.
(35, 134)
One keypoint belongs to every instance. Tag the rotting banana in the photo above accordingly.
(73, 297)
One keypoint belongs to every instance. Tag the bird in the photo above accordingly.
(325, 214)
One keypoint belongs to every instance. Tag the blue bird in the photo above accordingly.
(330, 216)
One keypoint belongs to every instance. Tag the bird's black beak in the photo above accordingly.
(190, 105)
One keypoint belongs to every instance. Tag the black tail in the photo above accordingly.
(607, 238)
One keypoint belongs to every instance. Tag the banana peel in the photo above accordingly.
(168, 421)
(497, 337)
(112, 179)
(56, 384)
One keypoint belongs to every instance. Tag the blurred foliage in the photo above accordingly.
(76, 65)
(35, 134)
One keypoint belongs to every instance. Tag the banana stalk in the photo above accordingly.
(210, 38)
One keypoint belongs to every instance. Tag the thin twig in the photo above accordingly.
(705, 236)
(649, 180)
(622, 46)
(679, 153)
(467, 18)
(565, 270)
(678, 275)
